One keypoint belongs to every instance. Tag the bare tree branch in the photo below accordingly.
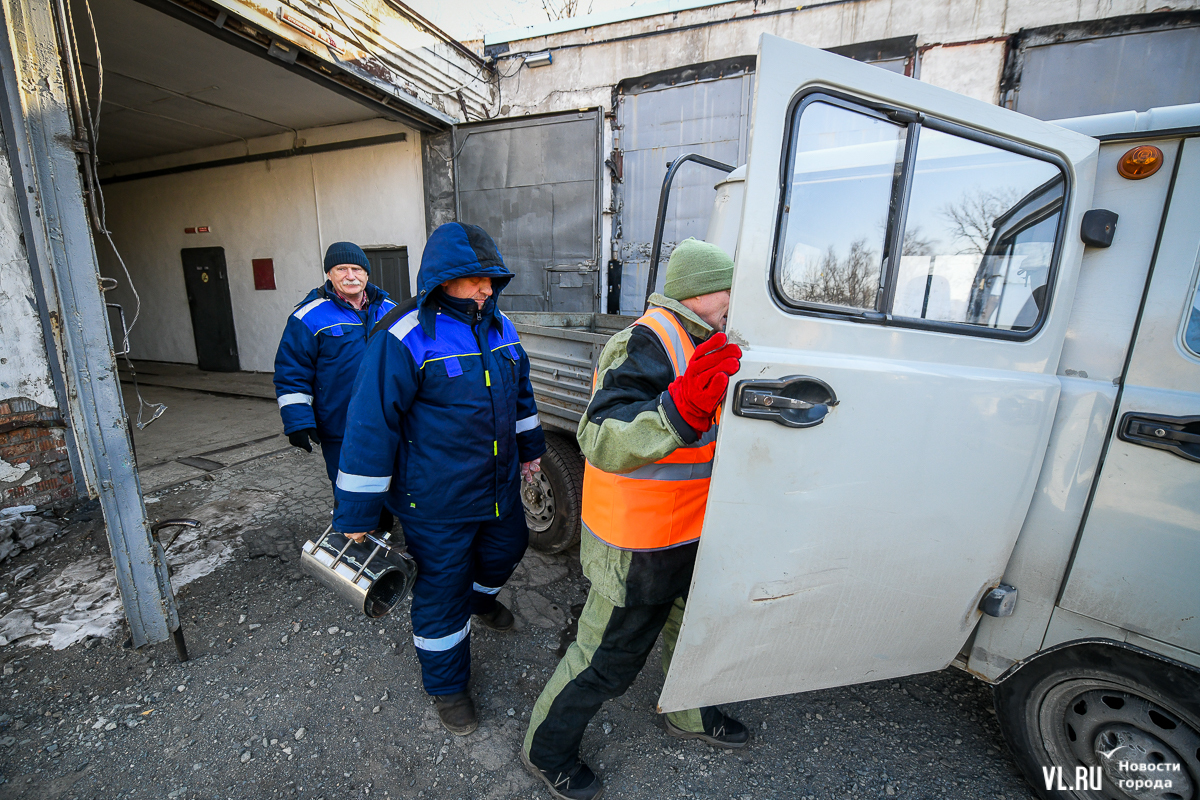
(970, 219)
(564, 9)
(852, 282)
(915, 243)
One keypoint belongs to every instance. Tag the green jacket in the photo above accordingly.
(631, 421)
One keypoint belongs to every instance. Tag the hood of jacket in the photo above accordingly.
(458, 250)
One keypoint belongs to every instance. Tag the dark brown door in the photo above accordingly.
(207, 283)
(389, 271)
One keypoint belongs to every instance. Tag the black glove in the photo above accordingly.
(300, 439)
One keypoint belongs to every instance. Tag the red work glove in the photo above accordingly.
(701, 388)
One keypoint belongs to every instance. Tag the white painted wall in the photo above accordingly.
(24, 368)
(288, 210)
(590, 60)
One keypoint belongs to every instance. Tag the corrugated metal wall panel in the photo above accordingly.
(532, 184)
(657, 126)
(1135, 71)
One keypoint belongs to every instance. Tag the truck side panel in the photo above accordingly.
(563, 350)
(1111, 286)
(1067, 626)
(1135, 564)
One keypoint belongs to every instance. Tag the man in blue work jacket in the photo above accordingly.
(442, 426)
(322, 346)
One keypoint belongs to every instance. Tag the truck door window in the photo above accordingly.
(979, 238)
(838, 192)
(889, 217)
(1191, 331)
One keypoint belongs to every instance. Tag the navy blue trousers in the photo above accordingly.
(462, 568)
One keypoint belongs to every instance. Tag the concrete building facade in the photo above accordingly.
(664, 74)
(241, 160)
(176, 161)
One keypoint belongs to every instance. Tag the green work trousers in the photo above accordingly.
(603, 661)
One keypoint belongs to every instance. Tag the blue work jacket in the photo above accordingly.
(318, 357)
(442, 413)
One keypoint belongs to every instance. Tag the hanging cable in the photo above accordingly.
(450, 93)
(450, 158)
(95, 194)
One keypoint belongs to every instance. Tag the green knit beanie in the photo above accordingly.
(697, 268)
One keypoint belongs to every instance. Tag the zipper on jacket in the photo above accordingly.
(477, 319)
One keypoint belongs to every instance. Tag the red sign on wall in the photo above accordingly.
(264, 273)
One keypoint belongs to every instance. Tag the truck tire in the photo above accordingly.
(554, 500)
(1095, 706)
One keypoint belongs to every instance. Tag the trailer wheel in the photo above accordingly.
(553, 501)
(1094, 707)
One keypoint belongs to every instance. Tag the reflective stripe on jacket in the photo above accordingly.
(433, 430)
(442, 414)
(659, 505)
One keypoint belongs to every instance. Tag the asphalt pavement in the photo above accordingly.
(289, 693)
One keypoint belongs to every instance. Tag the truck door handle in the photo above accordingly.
(796, 401)
(1178, 435)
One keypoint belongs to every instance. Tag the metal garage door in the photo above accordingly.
(659, 123)
(533, 184)
(1098, 74)
(701, 108)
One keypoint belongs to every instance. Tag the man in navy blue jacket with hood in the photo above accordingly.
(441, 426)
(322, 345)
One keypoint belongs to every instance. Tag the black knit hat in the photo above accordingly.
(346, 253)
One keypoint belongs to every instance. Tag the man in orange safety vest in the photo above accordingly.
(649, 435)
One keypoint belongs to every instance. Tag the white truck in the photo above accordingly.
(966, 428)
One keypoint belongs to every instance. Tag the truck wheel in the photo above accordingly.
(554, 500)
(1094, 707)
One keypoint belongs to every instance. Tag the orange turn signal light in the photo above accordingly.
(1140, 162)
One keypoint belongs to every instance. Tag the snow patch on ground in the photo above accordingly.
(81, 600)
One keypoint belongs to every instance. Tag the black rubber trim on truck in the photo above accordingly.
(1092, 640)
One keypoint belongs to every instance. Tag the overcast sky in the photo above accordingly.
(471, 19)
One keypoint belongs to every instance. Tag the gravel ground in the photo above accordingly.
(289, 694)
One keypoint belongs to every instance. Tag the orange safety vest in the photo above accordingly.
(660, 505)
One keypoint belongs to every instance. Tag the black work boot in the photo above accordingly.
(498, 619)
(577, 783)
(719, 730)
(457, 712)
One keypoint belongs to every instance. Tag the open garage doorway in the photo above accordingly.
(227, 168)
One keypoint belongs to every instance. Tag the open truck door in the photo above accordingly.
(905, 270)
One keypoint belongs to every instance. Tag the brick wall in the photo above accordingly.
(34, 468)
